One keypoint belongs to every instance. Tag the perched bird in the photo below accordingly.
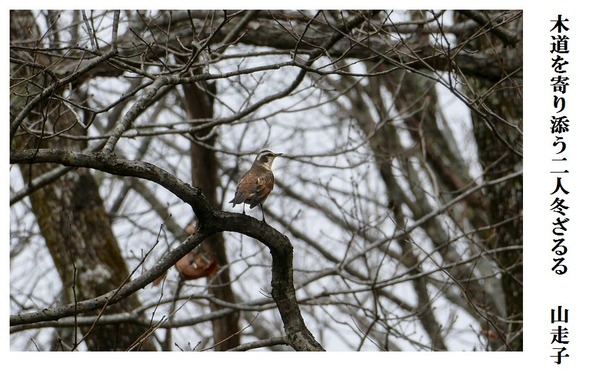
(257, 183)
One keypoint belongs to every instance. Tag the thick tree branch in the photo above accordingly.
(508, 37)
(114, 296)
(210, 221)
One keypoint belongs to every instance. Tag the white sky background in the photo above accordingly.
(543, 290)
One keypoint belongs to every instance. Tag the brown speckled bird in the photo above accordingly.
(257, 183)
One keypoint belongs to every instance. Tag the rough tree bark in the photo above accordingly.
(500, 143)
(205, 169)
(70, 212)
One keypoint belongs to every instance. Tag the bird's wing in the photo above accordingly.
(264, 186)
(243, 191)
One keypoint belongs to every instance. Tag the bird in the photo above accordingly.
(256, 184)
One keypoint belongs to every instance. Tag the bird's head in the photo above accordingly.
(265, 158)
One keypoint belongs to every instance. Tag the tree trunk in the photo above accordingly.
(205, 168)
(499, 143)
(69, 211)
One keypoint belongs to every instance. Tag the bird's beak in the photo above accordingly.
(278, 154)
